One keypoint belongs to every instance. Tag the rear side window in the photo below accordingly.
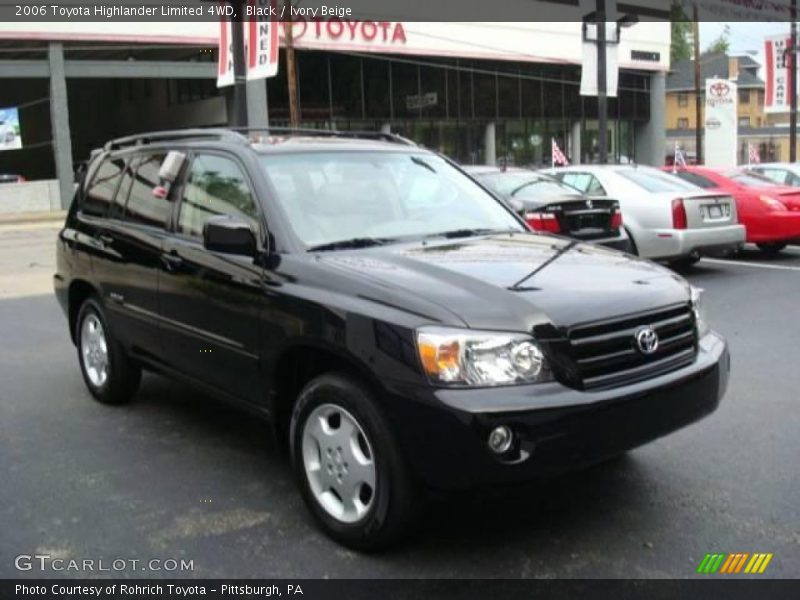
(696, 179)
(215, 186)
(655, 181)
(585, 182)
(142, 206)
(103, 188)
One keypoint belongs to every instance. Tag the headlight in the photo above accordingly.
(480, 358)
(699, 311)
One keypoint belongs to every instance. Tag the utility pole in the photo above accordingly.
(291, 70)
(602, 91)
(239, 69)
(698, 100)
(793, 91)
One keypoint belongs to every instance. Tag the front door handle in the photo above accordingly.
(171, 261)
(106, 240)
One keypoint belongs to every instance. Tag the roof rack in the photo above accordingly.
(239, 135)
(291, 131)
(210, 133)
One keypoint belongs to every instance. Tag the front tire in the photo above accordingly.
(348, 466)
(112, 378)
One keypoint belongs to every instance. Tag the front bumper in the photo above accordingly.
(558, 428)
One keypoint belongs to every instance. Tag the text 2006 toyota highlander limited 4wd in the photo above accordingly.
(401, 327)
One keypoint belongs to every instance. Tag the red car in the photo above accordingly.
(769, 211)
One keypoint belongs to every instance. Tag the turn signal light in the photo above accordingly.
(616, 220)
(543, 222)
(678, 214)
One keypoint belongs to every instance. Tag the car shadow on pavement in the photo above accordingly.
(492, 517)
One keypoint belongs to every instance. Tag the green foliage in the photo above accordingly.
(681, 29)
(721, 45)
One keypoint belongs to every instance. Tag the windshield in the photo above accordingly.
(750, 179)
(656, 181)
(332, 197)
(522, 185)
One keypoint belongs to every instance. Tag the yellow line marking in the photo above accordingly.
(757, 563)
(751, 563)
(765, 563)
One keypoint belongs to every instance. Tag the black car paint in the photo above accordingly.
(233, 324)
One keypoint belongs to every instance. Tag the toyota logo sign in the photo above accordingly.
(646, 340)
(720, 89)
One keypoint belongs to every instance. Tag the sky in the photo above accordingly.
(744, 36)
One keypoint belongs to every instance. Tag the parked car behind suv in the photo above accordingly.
(549, 205)
(400, 326)
(666, 218)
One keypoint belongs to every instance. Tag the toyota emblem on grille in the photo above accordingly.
(646, 340)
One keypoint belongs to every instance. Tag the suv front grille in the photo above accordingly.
(605, 353)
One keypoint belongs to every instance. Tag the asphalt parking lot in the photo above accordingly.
(177, 475)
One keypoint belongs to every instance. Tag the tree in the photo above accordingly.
(721, 45)
(681, 48)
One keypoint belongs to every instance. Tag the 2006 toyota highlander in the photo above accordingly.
(398, 324)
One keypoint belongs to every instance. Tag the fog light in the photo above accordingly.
(500, 439)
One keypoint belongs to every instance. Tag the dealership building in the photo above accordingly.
(478, 92)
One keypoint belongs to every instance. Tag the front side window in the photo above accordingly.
(103, 189)
(215, 186)
(776, 175)
(749, 179)
(143, 206)
(335, 197)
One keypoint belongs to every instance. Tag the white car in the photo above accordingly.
(666, 218)
(781, 173)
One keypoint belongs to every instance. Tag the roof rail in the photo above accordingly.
(290, 131)
(216, 133)
(239, 135)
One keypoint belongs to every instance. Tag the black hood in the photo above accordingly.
(516, 281)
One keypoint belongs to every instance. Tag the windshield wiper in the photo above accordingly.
(362, 242)
(462, 233)
(422, 163)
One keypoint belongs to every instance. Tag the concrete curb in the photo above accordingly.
(55, 217)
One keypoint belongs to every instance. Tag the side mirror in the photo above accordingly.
(171, 166)
(229, 235)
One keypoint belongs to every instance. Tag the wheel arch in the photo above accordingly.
(79, 291)
(299, 363)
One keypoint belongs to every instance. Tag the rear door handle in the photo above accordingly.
(106, 240)
(171, 261)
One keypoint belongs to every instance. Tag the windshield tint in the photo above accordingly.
(656, 181)
(526, 185)
(752, 179)
(331, 197)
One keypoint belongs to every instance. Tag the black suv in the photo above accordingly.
(399, 325)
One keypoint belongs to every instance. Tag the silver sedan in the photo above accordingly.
(666, 218)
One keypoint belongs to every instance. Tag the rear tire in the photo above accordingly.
(112, 377)
(686, 261)
(772, 249)
(633, 249)
(348, 465)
